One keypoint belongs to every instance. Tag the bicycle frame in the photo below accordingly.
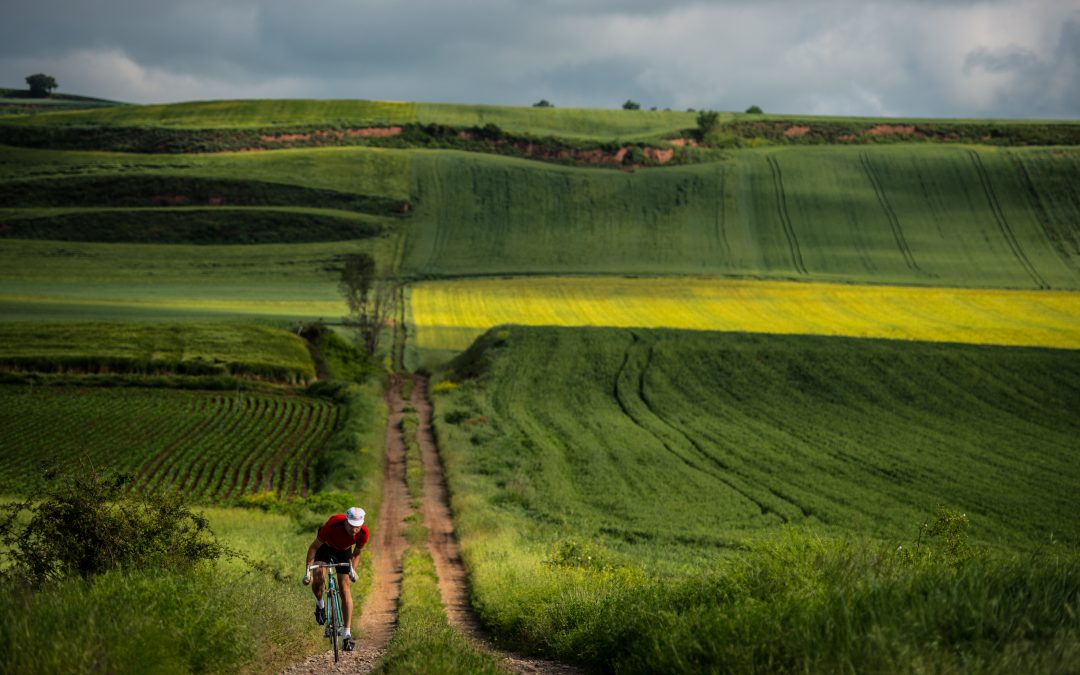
(335, 630)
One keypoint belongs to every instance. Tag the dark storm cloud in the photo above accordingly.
(904, 57)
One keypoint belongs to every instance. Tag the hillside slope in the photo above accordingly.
(669, 444)
(900, 214)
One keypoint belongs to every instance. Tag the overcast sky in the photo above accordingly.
(932, 58)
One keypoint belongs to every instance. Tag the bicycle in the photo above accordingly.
(334, 628)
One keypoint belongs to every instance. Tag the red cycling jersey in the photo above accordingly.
(334, 534)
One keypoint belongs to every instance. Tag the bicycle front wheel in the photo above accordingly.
(335, 622)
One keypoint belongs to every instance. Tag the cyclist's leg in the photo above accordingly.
(345, 590)
(318, 580)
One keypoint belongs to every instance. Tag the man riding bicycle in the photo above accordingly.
(340, 540)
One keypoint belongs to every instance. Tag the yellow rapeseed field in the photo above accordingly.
(450, 314)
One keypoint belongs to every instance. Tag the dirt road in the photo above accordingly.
(379, 614)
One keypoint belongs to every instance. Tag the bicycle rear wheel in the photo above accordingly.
(335, 619)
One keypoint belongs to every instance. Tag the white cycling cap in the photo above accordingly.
(355, 516)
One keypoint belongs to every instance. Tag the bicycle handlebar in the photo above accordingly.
(318, 565)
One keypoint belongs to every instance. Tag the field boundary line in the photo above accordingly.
(785, 217)
(1003, 223)
(890, 213)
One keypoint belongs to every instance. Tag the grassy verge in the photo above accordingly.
(797, 604)
(210, 619)
(424, 642)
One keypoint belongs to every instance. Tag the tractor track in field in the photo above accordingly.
(378, 617)
(635, 404)
(785, 217)
(890, 213)
(1003, 224)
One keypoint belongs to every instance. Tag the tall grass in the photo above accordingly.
(802, 604)
(210, 619)
(142, 621)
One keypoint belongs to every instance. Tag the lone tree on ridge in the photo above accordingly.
(370, 298)
(41, 85)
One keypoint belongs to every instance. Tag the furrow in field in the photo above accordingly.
(1003, 224)
(785, 218)
(1053, 233)
(148, 473)
(630, 395)
(197, 471)
(890, 213)
(291, 441)
(262, 436)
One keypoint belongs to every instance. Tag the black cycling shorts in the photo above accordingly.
(329, 554)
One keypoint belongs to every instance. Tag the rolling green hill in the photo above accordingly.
(902, 214)
(660, 440)
(603, 480)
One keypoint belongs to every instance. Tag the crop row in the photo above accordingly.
(212, 447)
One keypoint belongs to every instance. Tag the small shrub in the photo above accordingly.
(456, 416)
(87, 523)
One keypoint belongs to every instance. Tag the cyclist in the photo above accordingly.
(340, 540)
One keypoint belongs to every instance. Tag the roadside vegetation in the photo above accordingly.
(177, 545)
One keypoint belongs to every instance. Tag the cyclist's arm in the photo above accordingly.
(355, 562)
(311, 552)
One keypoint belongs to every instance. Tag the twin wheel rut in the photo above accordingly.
(378, 617)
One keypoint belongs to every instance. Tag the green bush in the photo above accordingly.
(87, 523)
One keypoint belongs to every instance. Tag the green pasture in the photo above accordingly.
(49, 280)
(201, 349)
(948, 216)
(236, 114)
(368, 171)
(578, 123)
(601, 477)
(600, 124)
(669, 445)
